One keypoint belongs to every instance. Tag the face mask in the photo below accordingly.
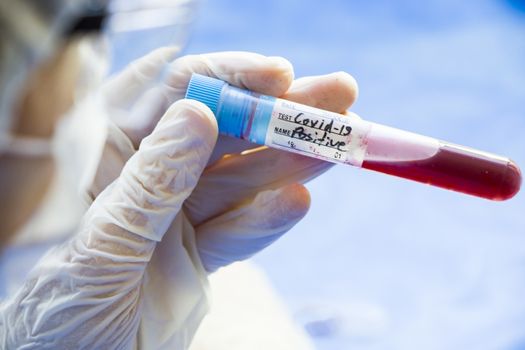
(76, 149)
(25, 146)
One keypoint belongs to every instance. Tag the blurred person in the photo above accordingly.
(132, 182)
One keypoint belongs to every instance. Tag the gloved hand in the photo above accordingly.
(243, 201)
(246, 200)
(113, 285)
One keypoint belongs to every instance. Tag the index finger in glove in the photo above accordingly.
(142, 92)
(266, 75)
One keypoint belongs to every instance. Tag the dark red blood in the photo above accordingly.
(458, 170)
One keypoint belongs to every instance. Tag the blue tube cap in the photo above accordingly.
(206, 90)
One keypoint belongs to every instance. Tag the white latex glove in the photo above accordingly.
(112, 285)
(87, 293)
(243, 201)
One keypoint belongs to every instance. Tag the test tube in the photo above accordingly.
(334, 137)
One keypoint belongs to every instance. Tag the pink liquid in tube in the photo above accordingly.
(333, 137)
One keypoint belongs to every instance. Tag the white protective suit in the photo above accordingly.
(167, 209)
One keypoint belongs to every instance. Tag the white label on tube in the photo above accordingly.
(318, 133)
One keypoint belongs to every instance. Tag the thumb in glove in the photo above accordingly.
(87, 293)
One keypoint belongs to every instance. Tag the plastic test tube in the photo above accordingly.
(337, 138)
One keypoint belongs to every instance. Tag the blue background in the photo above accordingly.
(381, 262)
